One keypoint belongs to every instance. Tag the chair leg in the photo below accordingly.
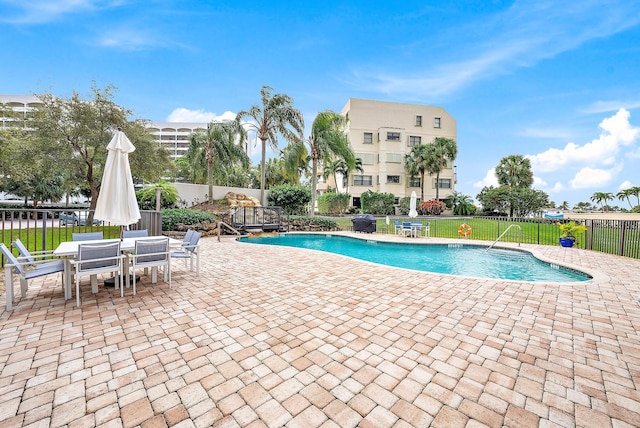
(133, 280)
(77, 290)
(8, 283)
(120, 278)
(24, 286)
(94, 283)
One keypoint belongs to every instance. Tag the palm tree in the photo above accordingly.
(460, 203)
(439, 152)
(602, 198)
(276, 116)
(564, 205)
(332, 168)
(416, 162)
(625, 194)
(274, 174)
(635, 191)
(220, 145)
(327, 140)
(295, 162)
(345, 170)
(515, 172)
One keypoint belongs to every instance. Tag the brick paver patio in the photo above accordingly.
(282, 337)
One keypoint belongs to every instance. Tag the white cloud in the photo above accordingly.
(539, 182)
(489, 180)
(603, 151)
(558, 187)
(625, 185)
(182, 114)
(594, 178)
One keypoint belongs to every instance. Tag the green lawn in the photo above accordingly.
(32, 237)
(535, 231)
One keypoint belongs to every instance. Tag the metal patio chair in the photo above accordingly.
(98, 258)
(189, 250)
(151, 254)
(26, 270)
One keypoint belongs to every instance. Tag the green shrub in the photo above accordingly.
(293, 199)
(333, 203)
(321, 223)
(172, 217)
(404, 205)
(377, 202)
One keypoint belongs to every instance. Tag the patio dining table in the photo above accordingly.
(69, 250)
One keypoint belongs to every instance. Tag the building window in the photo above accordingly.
(362, 180)
(418, 120)
(436, 122)
(366, 158)
(368, 138)
(393, 179)
(393, 136)
(415, 182)
(414, 140)
(444, 183)
(394, 158)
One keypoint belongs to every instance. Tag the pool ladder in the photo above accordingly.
(503, 233)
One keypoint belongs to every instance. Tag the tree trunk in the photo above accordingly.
(210, 180)
(263, 174)
(314, 184)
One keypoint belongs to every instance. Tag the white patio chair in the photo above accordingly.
(141, 233)
(88, 236)
(98, 258)
(151, 253)
(26, 270)
(189, 250)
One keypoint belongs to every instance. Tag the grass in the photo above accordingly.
(32, 237)
(534, 231)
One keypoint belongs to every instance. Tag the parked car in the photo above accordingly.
(76, 218)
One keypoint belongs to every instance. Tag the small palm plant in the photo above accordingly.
(569, 232)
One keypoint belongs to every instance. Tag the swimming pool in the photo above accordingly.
(454, 259)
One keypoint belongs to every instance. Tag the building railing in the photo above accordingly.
(43, 229)
(266, 219)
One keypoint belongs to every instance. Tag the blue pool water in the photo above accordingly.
(455, 259)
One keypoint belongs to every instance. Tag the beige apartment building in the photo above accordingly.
(381, 133)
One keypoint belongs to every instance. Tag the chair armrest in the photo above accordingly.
(40, 256)
(81, 262)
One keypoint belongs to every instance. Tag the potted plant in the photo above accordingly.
(569, 232)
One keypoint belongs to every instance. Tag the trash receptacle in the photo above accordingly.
(364, 223)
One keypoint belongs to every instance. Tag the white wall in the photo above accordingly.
(197, 193)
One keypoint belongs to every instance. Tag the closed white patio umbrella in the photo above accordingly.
(412, 205)
(117, 203)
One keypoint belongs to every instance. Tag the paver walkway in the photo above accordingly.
(284, 337)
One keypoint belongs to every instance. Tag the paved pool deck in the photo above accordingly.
(282, 337)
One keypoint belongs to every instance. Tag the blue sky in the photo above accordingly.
(554, 80)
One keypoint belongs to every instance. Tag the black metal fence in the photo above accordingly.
(620, 237)
(43, 229)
